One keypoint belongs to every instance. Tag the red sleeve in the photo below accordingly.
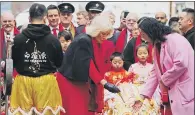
(94, 74)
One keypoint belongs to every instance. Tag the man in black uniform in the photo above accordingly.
(93, 8)
(186, 24)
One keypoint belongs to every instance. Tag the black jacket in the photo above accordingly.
(36, 51)
(114, 37)
(77, 58)
(129, 54)
(79, 29)
(190, 36)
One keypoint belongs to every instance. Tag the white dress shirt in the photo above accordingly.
(57, 29)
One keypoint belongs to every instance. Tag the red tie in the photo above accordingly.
(54, 32)
(130, 36)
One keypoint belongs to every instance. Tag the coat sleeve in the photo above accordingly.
(94, 74)
(85, 63)
(180, 60)
(151, 84)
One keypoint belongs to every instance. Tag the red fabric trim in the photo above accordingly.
(164, 91)
(121, 41)
(84, 30)
(16, 31)
(2, 43)
(94, 74)
(60, 27)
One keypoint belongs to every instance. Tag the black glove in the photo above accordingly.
(112, 88)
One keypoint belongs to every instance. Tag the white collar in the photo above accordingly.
(67, 28)
(57, 27)
(128, 33)
(11, 33)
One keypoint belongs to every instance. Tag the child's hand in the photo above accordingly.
(137, 105)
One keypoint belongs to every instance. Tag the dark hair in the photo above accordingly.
(53, 7)
(116, 54)
(67, 35)
(173, 20)
(189, 11)
(123, 13)
(142, 45)
(142, 18)
(37, 11)
(154, 29)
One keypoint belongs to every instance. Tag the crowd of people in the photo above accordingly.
(143, 67)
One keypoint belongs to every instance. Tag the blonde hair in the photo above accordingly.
(110, 13)
(100, 24)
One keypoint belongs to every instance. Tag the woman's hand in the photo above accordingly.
(163, 85)
(138, 103)
(103, 82)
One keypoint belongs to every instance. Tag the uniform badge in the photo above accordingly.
(66, 7)
(97, 5)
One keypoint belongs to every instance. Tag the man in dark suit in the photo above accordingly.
(186, 24)
(82, 21)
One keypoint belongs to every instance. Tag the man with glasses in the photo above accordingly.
(126, 34)
(66, 11)
(8, 31)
